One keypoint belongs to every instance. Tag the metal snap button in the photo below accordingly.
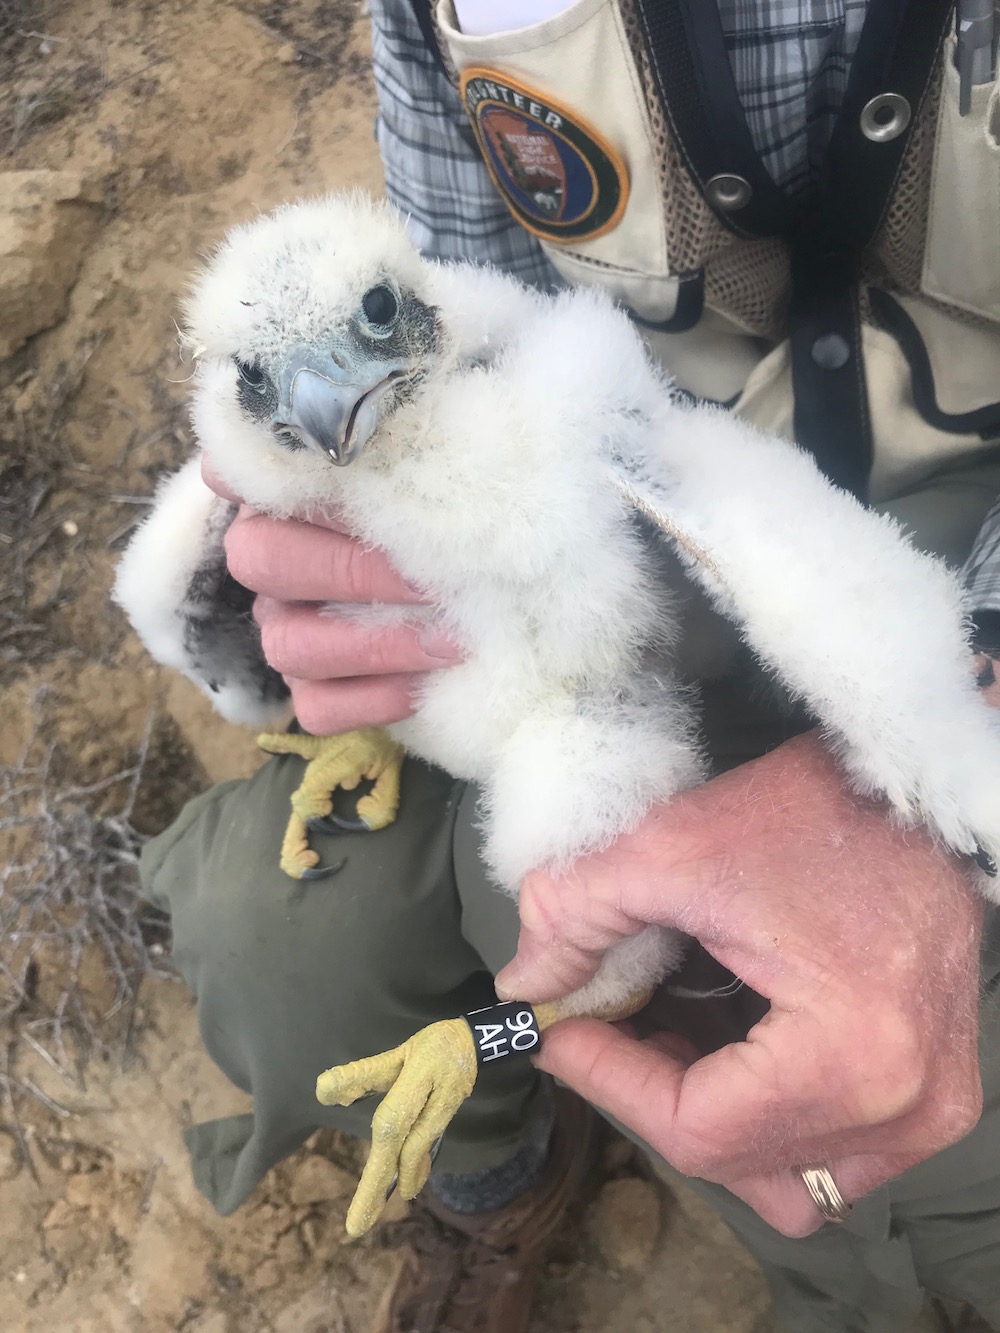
(728, 192)
(885, 117)
(830, 351)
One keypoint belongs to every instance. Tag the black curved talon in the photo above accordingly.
(984, 861)
(335, 824)
(323, 872)
(433, 1151)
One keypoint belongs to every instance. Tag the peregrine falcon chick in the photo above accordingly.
(511, 453)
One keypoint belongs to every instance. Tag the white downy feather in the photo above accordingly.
(492, 489)
(182, 534)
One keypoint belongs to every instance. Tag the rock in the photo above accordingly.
(47, 221)
(289, 1250)
(266, 1276)
(61, 1214)
(287, 53)
(318, 1180)
(318, 1310)
(25, 402)
(309, 1234)
(171, 1260)
(215, 1322)
(89, 1189)
(624, 1221)
(10, 1157)
(395, 1208)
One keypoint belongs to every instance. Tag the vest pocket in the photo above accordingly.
(962, 253)
(561, 121)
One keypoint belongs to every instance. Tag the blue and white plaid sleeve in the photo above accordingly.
(433, 171)
(790, 59)
(981, 575)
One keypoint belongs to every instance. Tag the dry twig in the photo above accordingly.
(69, 897)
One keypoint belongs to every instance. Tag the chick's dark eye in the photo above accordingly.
(251, 374)
(380, 305)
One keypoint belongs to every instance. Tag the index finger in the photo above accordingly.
(295, 561)
(320, 518)
(215, 483)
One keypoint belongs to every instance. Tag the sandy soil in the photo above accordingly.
(190, 115)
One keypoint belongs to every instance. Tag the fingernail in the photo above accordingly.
(324, 518)
(441, 646)
(506, 982)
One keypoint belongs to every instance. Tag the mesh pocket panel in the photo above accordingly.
(897, 251)
(896, 256)
(749, 281)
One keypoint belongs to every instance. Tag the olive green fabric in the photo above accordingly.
(292, 977)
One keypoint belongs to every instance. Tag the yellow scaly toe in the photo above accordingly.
(332, 762)
(425, 1081)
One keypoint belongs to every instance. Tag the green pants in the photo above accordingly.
(293, 977)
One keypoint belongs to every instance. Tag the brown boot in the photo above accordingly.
(475, 1272)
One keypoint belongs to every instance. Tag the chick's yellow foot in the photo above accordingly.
(425, 1081)
(331, 762)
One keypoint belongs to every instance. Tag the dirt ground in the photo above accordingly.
(188, 115)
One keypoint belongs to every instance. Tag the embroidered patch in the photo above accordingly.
(559, 177)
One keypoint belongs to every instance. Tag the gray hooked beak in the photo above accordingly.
(333, 405)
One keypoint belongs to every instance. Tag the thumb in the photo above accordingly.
(545, 971)
(563, 938)
(637, 1082)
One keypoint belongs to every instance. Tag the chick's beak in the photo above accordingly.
(331, 404)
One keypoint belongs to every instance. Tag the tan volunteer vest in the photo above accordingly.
(572, 121)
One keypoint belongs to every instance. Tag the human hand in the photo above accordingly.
(863, 937)
(342, 674)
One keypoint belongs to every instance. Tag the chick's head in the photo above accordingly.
(311, 326)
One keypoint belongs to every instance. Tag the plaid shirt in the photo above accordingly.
(433, 171)
(790, 62)
(982, 580)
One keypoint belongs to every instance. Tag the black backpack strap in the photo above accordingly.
(422, 12)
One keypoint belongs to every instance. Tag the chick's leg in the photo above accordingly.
(554, 1011)
(426, 1080)
(331, 762)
